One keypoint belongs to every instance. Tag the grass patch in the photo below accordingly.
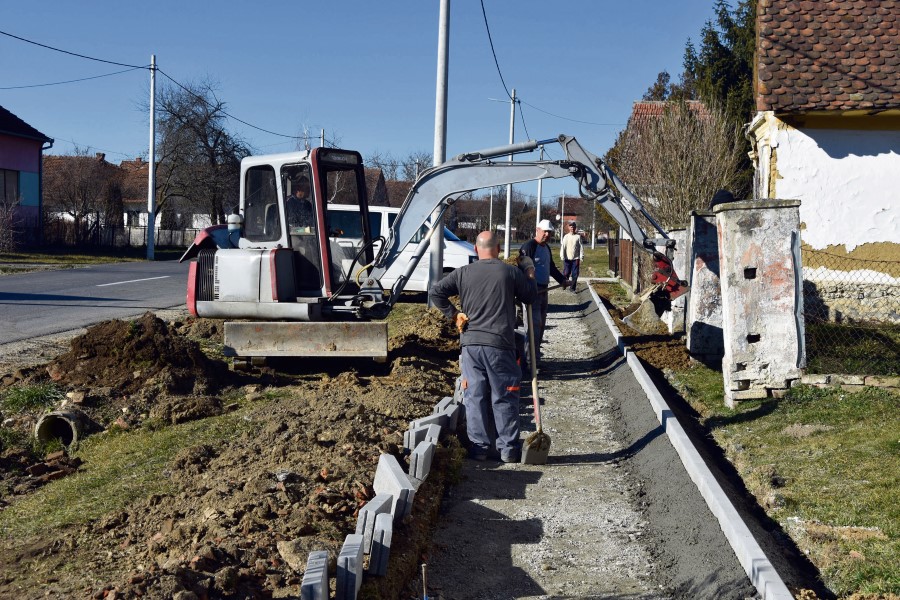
(124, 467)
(30, 397)
(63, 256)
(825, 464)
(596, 261)
(853, 349)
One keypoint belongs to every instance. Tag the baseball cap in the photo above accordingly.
(545, 225)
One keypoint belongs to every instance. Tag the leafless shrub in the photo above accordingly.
(8, 226)
(676, 161)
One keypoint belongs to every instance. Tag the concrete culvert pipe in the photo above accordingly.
(65, 426)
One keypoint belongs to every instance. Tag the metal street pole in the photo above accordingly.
(512, 139)
(151, 178)
(540, 193)
(436, 266)
(491, 212)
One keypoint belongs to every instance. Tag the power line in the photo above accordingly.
(230, 116)
(73, 53)
(21, 87)
(491, 41)
(573, 120)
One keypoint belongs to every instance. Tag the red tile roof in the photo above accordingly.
(827, 55)
(645, 110)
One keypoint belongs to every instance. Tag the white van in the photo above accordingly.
(343, 220)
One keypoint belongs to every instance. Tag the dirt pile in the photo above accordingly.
(661, 351)
(291, 463)
(128, 356)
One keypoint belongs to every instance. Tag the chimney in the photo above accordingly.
(100, 155)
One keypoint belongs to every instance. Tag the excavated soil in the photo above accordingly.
(241, 514)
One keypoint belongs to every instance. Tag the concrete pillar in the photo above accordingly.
(762, 296)
(674, 319)
(703, 318)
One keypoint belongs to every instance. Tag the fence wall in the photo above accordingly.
(60, 233)
(852, 314)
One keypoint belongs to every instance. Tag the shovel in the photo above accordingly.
(537, 445)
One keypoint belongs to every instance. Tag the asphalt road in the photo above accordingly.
(47, 302)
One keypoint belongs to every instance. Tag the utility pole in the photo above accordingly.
(512, 139)
(540, 193)
(151, 178)
(491, 212)
(436, 266)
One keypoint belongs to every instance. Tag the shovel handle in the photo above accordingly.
(532, 359)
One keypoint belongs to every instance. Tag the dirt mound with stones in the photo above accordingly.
(128, 356)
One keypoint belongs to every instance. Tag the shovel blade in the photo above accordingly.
(536, 449)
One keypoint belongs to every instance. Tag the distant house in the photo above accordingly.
(827, 130)
(21, 147)
(376, 190)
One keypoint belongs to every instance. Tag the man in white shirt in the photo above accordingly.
(571, 252)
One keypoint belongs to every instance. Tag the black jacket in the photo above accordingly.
(530, 247)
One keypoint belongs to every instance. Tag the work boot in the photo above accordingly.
(511, 455)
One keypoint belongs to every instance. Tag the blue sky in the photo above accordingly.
(364, 71)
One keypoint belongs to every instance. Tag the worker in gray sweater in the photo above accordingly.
(488, 291)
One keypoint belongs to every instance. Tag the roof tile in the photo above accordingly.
(828, 55)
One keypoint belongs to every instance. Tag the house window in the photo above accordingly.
(9, 186)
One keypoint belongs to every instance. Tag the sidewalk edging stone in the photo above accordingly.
(752, 558)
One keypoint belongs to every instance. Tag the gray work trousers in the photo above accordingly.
(492, 378)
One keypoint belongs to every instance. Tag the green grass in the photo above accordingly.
(825, 464)
(596, 261)
(63, 256)
(853, 349)
(124, 466)
(30, 397)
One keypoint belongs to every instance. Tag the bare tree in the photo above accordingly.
(415, 163)
(85, 187)
(677, 161)
(199, 160)
(384, 161)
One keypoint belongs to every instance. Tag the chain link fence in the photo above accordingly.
(852, 310)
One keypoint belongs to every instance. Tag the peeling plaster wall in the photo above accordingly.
(848, 182)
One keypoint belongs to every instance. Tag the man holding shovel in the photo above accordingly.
(488, 291)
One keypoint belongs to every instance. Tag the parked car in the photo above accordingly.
(345, 229)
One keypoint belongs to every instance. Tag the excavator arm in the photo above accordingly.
(440, 186)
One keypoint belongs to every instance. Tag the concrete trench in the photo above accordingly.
(614, 513)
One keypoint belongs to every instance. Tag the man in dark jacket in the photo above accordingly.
(488, 291)
(544, 268)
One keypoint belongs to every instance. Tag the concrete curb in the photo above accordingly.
(758, 568)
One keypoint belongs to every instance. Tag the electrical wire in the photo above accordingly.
(111, 62)
(572, 120)
(491, 41)
(230, 116)
(22, 87)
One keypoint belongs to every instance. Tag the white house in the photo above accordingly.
(827, 133)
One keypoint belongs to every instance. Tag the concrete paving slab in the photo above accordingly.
(315, 578)
(390, 479)
(365, 524)
(349, 568)
(420, 460)
(381, 545)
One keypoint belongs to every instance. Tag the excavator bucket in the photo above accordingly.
(646, 319)
(304, 339)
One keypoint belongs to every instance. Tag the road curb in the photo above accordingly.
(752, 558)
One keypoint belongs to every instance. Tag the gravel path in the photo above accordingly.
(612, 515)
